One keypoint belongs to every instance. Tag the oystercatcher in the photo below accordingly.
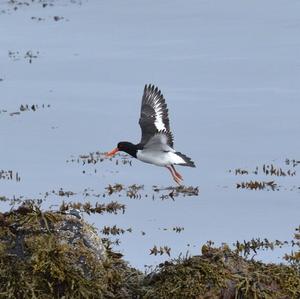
(156, 145)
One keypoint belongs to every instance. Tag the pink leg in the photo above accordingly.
(175, 178)
(177, 173)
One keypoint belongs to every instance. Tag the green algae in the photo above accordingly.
(222, 273)
(37, 260)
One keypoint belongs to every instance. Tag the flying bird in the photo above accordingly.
(157, 142)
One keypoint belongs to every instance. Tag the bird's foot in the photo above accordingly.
(176, 176)
(177, 180)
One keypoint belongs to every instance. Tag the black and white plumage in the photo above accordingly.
(154, 115)
(156, 145)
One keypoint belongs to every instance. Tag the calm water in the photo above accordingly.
(230, 75)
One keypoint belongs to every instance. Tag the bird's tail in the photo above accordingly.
(188, 161)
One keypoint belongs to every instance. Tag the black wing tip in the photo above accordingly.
(152, 87)
(188, 161)
(152, 91)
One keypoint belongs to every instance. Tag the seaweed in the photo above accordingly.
(56, 254)
(221, 273)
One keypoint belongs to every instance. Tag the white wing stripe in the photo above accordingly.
(159, 124)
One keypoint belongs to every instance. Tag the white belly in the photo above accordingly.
(159, 158)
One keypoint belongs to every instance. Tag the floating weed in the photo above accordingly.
(177, 191)
(61, 192)
(272, 170)
(247, 247)
(239, 171)
(29, 55)
(91, 158)
(256, 185)
(293, 162)
(33, 107)
(266, 169)
(26, 107)
(133, 191)
(176, 229)
(114, 230)
(160, 250)
(113, 207)
(57, 18)
(18, 200)
(14, 55)
(109, 243)
(111, 189)
(14, 5)
(39, 19)
(98, 157)
(87, 192)
(3, 111)
(9, 175)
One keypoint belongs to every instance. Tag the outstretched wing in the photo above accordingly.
(154, 115)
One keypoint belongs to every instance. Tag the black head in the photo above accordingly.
(128, 148)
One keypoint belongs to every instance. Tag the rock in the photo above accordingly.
(53, 255)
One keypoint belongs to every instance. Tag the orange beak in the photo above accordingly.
(111, 153)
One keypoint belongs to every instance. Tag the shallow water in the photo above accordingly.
(230, 74)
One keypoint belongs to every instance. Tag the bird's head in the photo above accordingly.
(126, 147)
